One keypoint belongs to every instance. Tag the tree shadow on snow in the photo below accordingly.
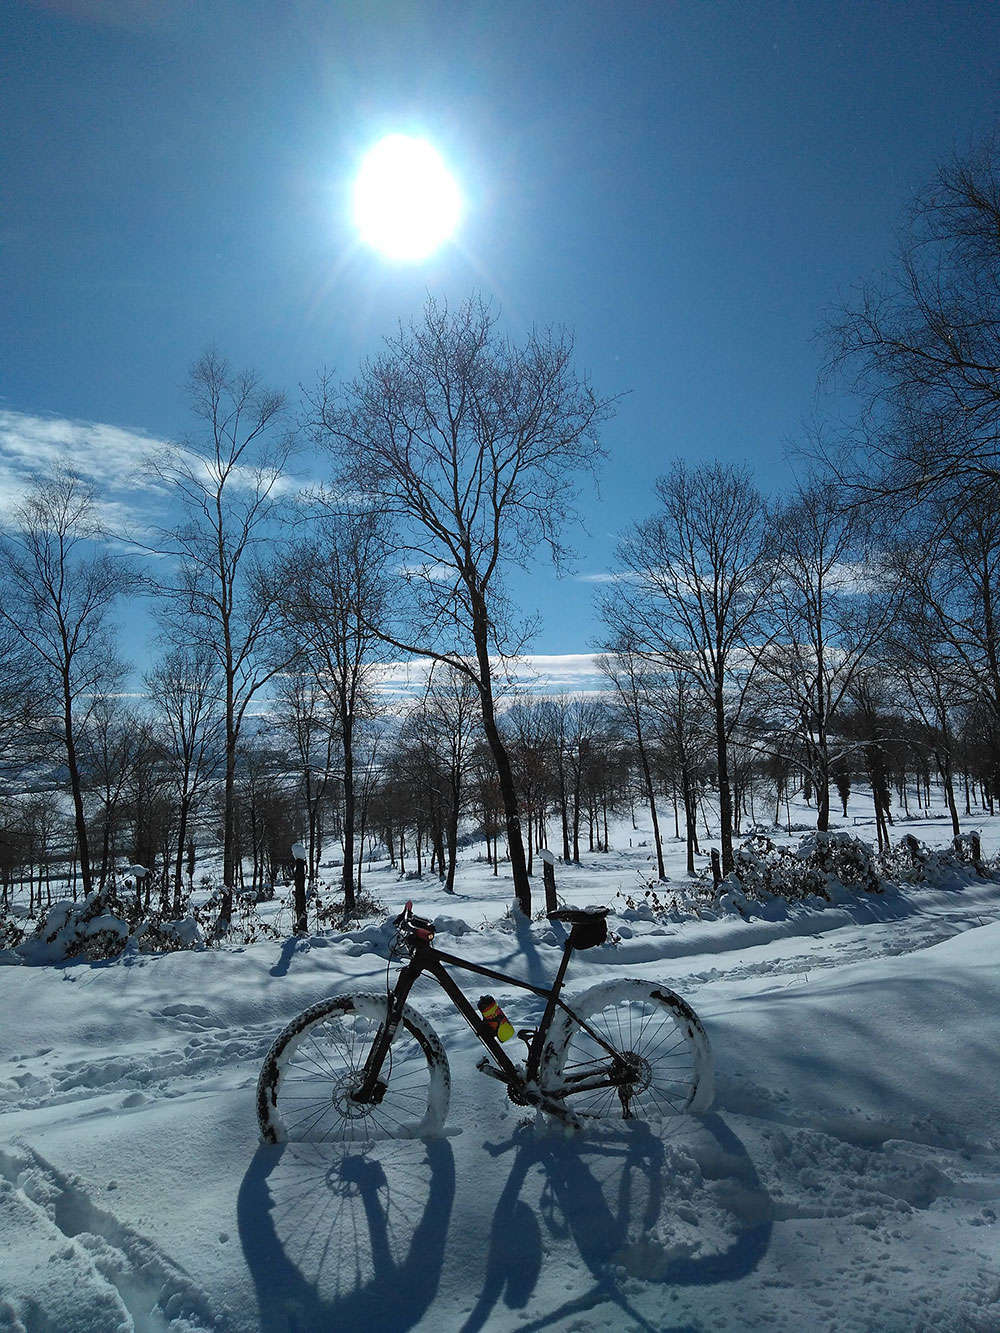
(346, 1237)
(280, 968)
(609, 1196)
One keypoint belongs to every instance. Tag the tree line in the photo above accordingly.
(844, 630)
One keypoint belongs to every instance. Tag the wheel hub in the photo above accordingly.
(343, 1096)
(638, 1072)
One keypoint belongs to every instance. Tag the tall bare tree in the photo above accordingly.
(217, 596)
(304, 720)
(445, 726)
(697, 574)
(336, 597)
(19, 704)
(61, 585)
(629, 674)
(924, 342)
(110, 744)
(832, 604)
(185, 690)
(949, 563)
(472, 446)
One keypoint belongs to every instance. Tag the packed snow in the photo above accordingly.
(847, 1176)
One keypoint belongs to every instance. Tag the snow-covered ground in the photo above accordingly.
(848, 1176)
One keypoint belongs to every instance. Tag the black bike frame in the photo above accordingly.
(425, 958)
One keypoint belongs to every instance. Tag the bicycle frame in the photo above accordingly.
(425, 958)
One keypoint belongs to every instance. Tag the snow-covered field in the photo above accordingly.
(848, 1176)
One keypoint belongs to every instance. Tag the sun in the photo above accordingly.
(406, 201)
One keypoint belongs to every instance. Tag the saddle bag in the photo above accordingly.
(587, 934)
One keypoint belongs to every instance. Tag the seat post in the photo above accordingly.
(535, 1050)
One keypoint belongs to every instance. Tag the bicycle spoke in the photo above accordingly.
(655, 1072)
(313, 1092)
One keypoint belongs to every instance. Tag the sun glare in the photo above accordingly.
(406, 201)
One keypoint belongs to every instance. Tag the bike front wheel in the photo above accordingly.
(305, 1088)
(661, 1066)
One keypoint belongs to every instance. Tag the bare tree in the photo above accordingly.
(336, 596)
(303, 717)
(934, 686)
(697, 573)
(948, 561)
(185, 690)
(925, 342)
(222, 600)
(61, 584)
(110, 744)
(528, 723)
(685, 738)
(471, 445)
(629, 674)
(832, 604)
(19, 703)
(445, 726)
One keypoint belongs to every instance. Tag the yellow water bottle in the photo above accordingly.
(495, 1018)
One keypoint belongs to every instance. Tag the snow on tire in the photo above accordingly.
(303, 1093)
(654, 1029)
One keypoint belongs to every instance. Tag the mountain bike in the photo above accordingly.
(368, 1065)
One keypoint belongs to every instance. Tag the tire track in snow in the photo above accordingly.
(35, 1082)
(99, 1275)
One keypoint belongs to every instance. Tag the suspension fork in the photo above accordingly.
(370, 1084)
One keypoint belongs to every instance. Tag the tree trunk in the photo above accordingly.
(505, 775)
(725, 792)
(690, 814)
(449, 886)
(229, 835)
(181, 840)
(647, 778)
(76, 786)
(564, 814)
(347, 730)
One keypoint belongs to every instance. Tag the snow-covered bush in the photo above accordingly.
(246, 925)
(765, 870)
(822, 864)
(842, 857)
(969, 850)
(12, 930)
(103, 925)
(327, 908)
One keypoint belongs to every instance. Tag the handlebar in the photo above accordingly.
(419, 926)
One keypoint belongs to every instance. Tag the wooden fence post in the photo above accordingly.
(548, 878)
(301, 918)
(716, 867)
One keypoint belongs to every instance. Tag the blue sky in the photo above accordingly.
(688, 186)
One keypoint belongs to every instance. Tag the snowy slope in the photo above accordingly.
(848, 1176)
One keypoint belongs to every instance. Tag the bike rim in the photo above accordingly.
(326, 1065)
(659, 1062)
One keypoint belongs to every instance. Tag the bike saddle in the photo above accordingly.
(578, 915)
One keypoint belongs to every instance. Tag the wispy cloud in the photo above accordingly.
(110, 456)
(610, 576)
(532, 673)
(113, 458)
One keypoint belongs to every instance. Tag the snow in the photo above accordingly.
(847, 1176)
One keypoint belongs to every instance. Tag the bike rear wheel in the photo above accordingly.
(662, 1058)
(316, 1063)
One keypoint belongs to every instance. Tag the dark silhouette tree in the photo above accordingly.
(471, 446)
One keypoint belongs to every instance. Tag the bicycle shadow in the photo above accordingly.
(609, 1196)
(346, 1238)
